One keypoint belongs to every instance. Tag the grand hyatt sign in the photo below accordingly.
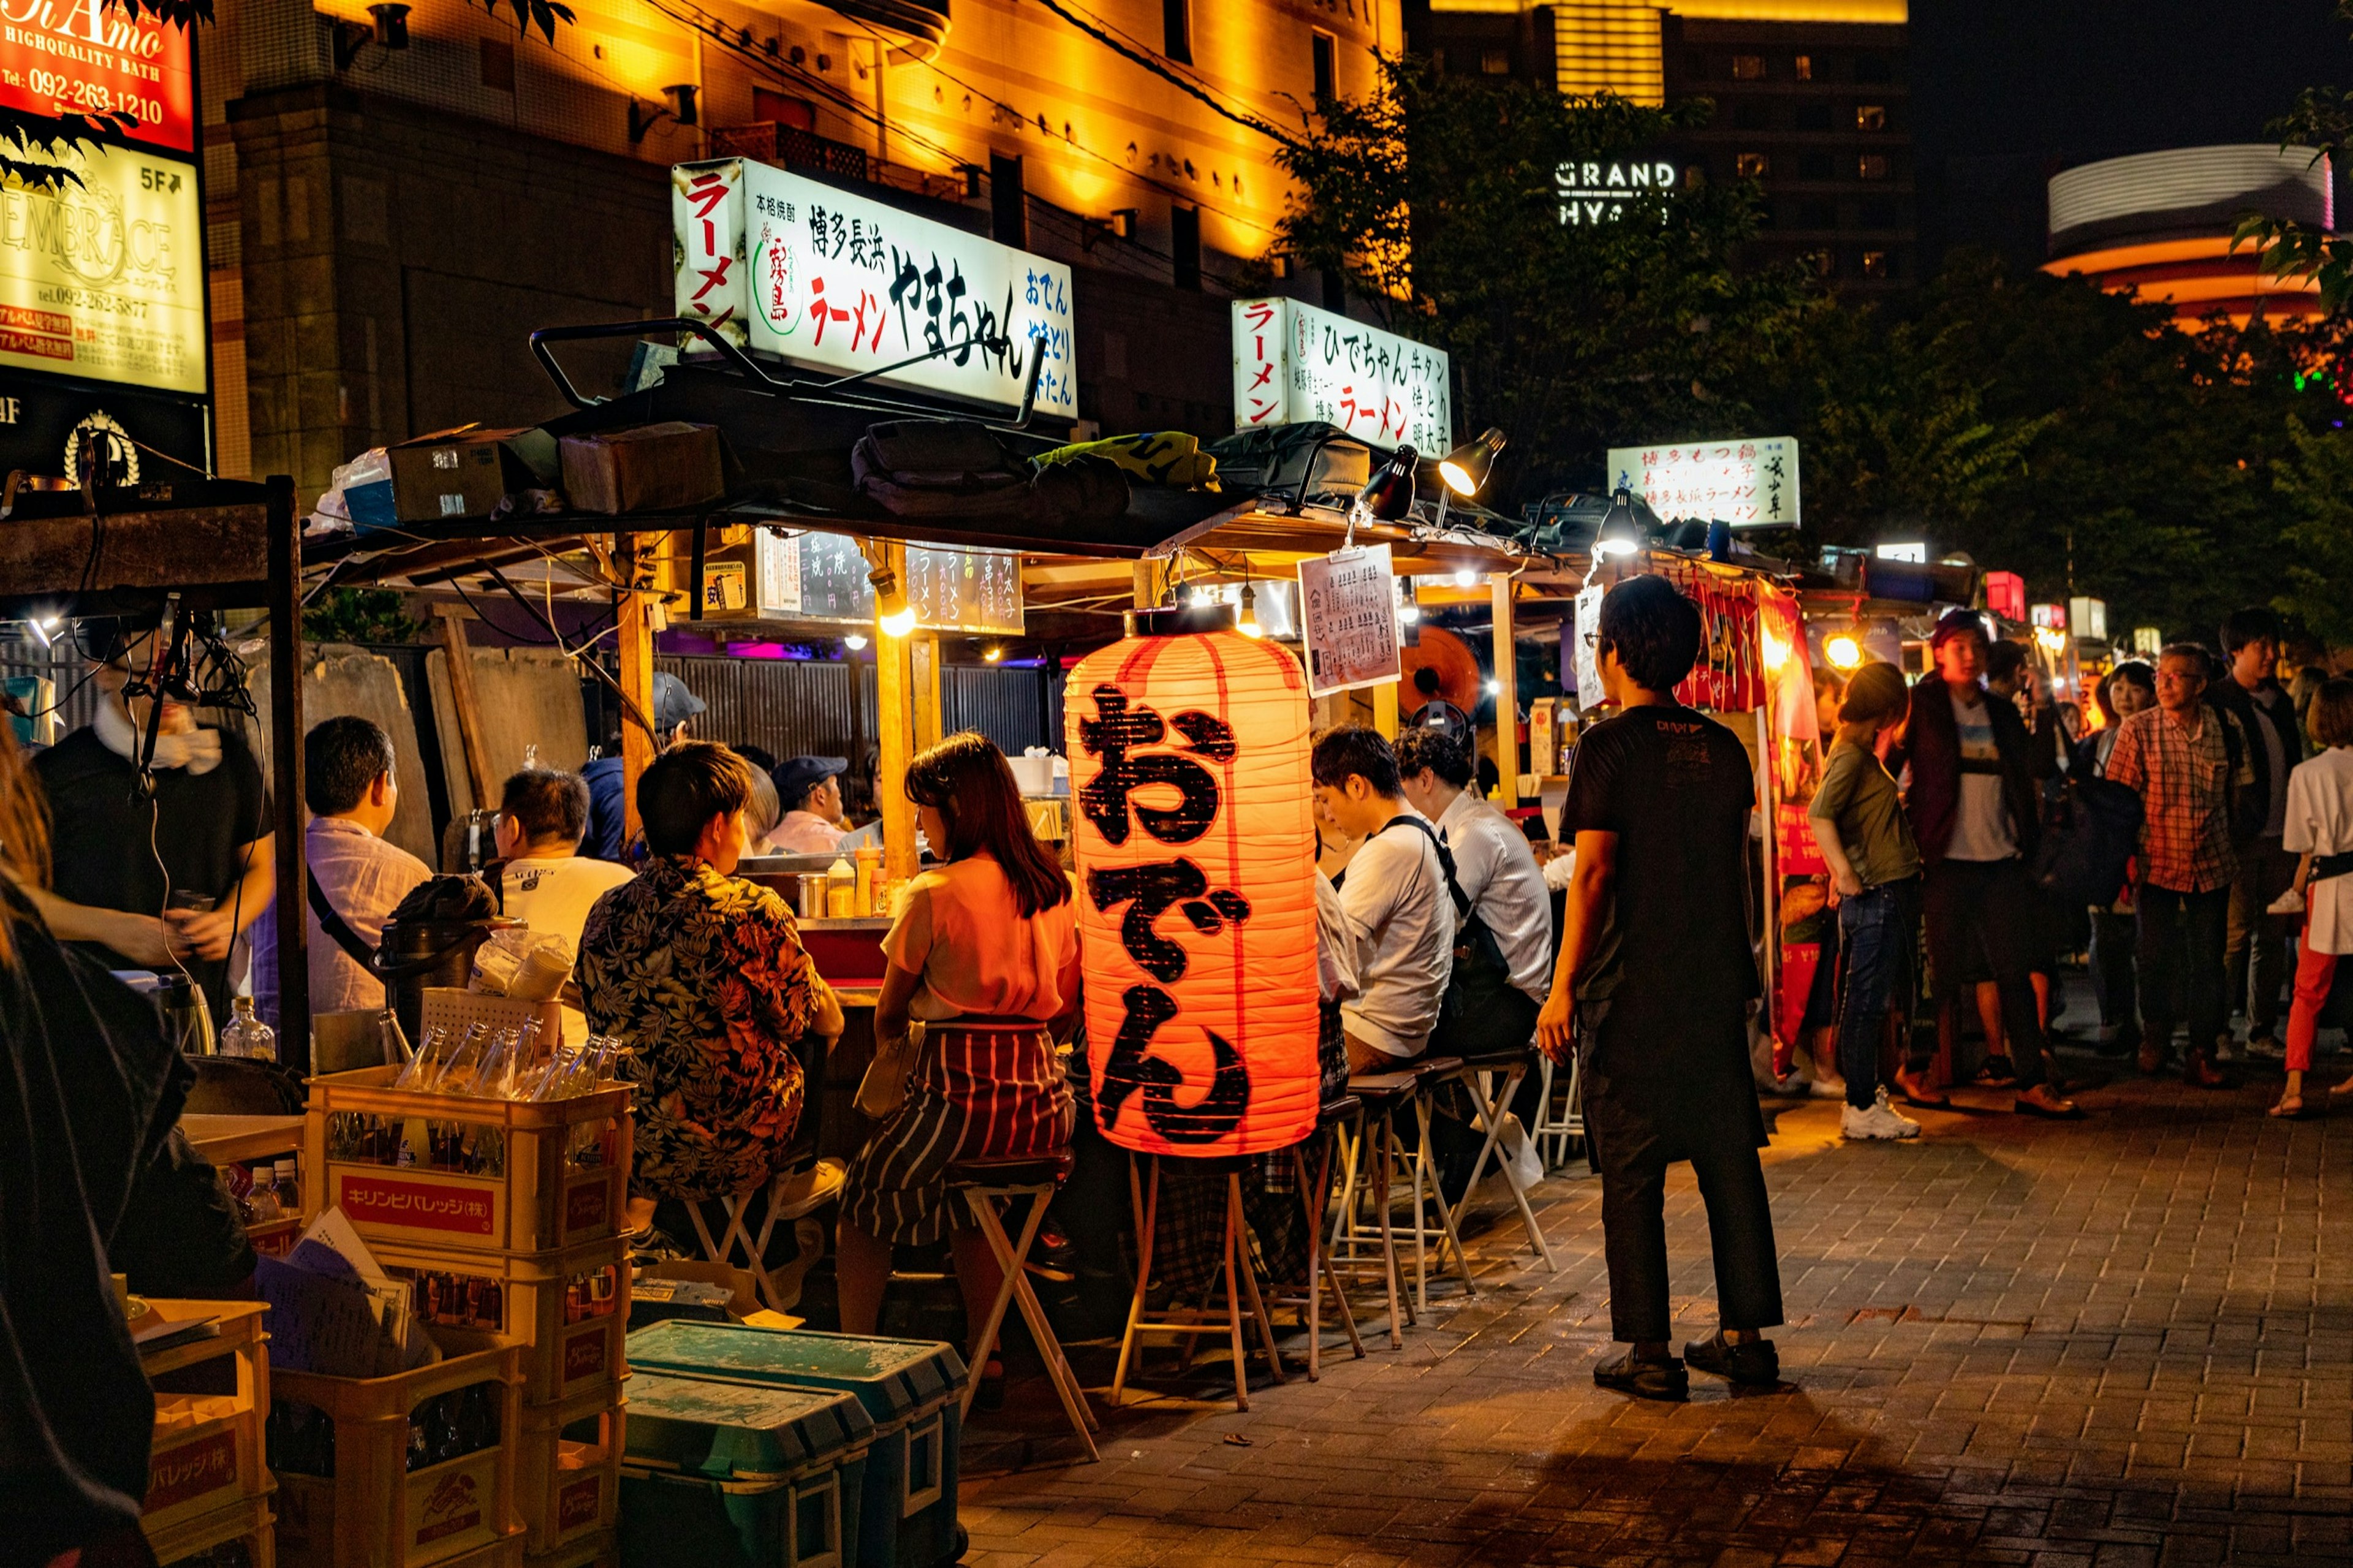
(1595, 191)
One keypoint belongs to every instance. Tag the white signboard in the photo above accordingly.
(782, 264)
(1347, 603)
(1594, 192)
(1295, 363)
(1750, 481)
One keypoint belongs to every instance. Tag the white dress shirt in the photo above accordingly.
(364, 879)
(1394, 895)
(1498, 873)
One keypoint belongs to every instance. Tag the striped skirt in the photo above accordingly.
(983, 1089)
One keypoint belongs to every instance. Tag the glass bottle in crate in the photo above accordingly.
(265, 1196)
(286, 1186)
(247, 1036)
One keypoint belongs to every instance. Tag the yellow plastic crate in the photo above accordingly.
(207, 1449)
(599, 1549)
(568, 1311)
(487, 1175)
(373, 1511)
(569, 1487)
(248, 1519)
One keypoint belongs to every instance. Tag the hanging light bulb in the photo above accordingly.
(1844, 651)
(853, 642)
(1247, 624)
(992, 653)
(1466, 578)
(892, 614)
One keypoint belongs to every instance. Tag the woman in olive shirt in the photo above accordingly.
(1858, 822)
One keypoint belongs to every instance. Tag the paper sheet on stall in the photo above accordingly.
(333, 1309)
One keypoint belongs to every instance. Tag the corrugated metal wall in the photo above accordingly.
(797, 708)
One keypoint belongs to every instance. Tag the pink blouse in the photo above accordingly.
(960, 927)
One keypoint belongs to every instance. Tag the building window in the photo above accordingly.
(498, 65)
(1184, 244)
(1870, 117)
(777, 109)
(1873, 67)
(1749, 116)
(1804, 70)
(1751, 166)
(1324, 50)
(1871, 166)
(1875, 263)
(1813, 117)
(1820, 214)
(1749, 68)
(1496, 62)
(1824, 263)
(1177, 30)
(1879, 214)
(1815, 166)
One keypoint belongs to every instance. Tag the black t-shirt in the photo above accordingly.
(100, 838)
(1674, 786)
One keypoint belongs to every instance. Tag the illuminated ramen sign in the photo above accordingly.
(1596, 192)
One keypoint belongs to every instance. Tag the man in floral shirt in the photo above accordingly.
(705, 974)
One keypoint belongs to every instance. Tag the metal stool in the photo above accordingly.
(1422, 1172)
(1186, 1320)
(799, 1208)
(983, 1183)
(1479, 1078)
(1560, 1125)
(1314, 1198)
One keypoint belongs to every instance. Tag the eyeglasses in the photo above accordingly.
(1596, 641)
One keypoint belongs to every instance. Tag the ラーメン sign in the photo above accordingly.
(1293, 362)
(1748, 481)
(105, 280)
(89, 57)
(799, 270)
(1594, 191)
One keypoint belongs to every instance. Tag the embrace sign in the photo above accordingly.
(785, 265)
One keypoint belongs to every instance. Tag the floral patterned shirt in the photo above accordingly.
(705, 975)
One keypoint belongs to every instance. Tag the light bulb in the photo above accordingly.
(1494, 688)
(992, 654)
(897, 622)
(1408, 613)
(1466, 578)
(1843, 651)
(1614, 547)
(853, 642)
(1247, 624)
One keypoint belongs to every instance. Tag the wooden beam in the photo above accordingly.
(285, 574)
(1147, 579)
(471, 741)
(895, 718)
(930, 717)
(635, 642)
(187, 549)
(1507, 694)
(1385, 709)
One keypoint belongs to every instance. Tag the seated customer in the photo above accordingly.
(1395, 895)
(703, 974)
(985, 956)
(347, 783)
(810, 791)
(547, 883)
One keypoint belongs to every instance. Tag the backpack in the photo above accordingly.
(1481, 974)
(2091, 830)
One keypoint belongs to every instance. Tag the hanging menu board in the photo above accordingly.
(822, 577)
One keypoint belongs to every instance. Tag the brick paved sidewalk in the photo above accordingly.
(2124, 1341)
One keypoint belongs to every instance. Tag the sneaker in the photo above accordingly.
(2265, 1047)
(1828, 1088)
(1881, 1120)
(1754, 1361)
(2288, 903)
(1643, 1379)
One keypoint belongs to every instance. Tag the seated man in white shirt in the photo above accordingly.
(348, 784)
(1395, 895)
(1501, 982)
(547, 883)
(809, 788)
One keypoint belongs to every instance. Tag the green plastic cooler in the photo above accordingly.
(742, 1474)
(911, 1389)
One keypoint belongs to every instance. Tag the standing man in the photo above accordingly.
(1395, 896)
(1656, 977)
(2257, 940)
(2176, 756)
(1504, 945)
(356, 877)
(1974, 810)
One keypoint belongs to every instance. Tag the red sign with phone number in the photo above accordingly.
(82, 57)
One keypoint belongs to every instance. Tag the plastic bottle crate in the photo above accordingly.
(245, 1523)
(373, 1510)
(743, 1475)
(208, 1450)
(599, 1549)
(573, 1341)
(488, 1176)
(568, 1474)
(912, 1389)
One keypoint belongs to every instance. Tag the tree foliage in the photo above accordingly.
(2321, 119)
(1436, 197)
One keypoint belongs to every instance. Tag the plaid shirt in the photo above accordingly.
(2183, 774)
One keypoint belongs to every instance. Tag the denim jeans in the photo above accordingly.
(1877, 928)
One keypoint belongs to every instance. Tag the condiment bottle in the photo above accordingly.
(840, 889)
(286, 1187)
(869, 865)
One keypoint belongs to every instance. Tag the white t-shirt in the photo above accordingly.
(1498, 873)
(1981, 830)
(552, 897)
(1394, 893)
(2319, 820)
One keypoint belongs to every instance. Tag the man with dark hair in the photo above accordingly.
(1394, 894)
(1435, 712)
(1503, 945)
(359, 878)
(546, 882)
(2178, 755)
(1975, 810)
(674, 707)
(705, 974)
(1656, 976)
(2254, 961)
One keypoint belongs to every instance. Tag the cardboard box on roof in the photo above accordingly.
(648, 468)
(462, 473)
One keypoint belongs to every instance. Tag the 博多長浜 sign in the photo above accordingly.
(799, 270)
(1748, 481)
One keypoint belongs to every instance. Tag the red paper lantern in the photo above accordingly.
(1191, 818)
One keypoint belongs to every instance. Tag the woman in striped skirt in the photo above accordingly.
(984, 955)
